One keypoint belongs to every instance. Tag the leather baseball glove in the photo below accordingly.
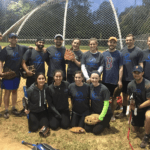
(30, 68)
(44, 132)
(92, 119)
(8, 73)
(77, 130)
(69, 55)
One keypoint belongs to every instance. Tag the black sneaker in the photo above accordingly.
(15, 111)
(144, 141)
(22, 113)
(6, 115)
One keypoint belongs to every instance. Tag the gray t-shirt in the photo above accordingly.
(13, 57)
(80, 97)
(98, 95)
(92, 61)
(56, 60)
(131, 58)
(146, 63)
(72, 67)
(142, 90)
(36, 58)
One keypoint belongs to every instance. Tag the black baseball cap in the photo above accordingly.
(58, 35)
(40, 39)
(13, 34)
(138, 68)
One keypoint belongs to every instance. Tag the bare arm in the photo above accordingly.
(30, 73)
(145, 104)
(141, 64)
(120, 76)
(77, 62)
(1, 66)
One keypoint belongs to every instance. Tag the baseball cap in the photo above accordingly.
(13, 34)
(40, 39)
(138, 68)
(58, 35)
(112, 38)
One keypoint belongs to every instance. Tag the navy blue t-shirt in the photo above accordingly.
(131, 57)
(112, 62)
(98, 95)
(72, 67)
(56, 60)
(13, 57)
(36, 58)
(146, 63)
(92, 61)
(80, 97)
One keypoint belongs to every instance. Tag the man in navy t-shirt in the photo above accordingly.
(56, 58)
(113, 71)
(147, 60)
(132, 56)
(36, 57)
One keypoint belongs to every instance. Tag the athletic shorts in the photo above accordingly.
(111, 88)
(10, 84)
(125, 85)
(139, 119)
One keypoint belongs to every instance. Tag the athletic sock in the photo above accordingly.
(124, 109)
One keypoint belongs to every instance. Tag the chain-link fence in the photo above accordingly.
(76, 18)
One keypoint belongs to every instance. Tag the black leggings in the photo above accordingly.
(78, 120)
(64, 122)
(37, 120)
(99, 127)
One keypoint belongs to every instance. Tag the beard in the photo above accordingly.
(40, 47)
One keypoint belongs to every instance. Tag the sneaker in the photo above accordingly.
(121, 115)
(144, 141)
(22, 113)
(6, 115)
(113, 119)
(15, 112)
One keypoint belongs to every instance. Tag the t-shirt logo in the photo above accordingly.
(127, 58)
(57, 56)
(79, 96)
(138, 91)
(148, 60)
(92, 62)
(15, 56)
(94, 96)
(38, 59)
(109, 63)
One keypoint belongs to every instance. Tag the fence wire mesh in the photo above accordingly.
(85, 19)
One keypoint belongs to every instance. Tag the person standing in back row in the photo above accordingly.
(147, 60)
(132, 56)
(92, 60)
(113, 71)
(56, 58)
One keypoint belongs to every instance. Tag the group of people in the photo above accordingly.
(121, 71)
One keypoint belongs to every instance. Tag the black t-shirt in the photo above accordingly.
(56, 60)
(13, 57)
(36, 58)
(92, 61)
(98, 95)
(80, 97)
(146, 63)
(142, 90)
(72, 67)
(131, 58)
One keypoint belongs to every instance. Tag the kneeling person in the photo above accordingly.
(99, 95)
(141, 89)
